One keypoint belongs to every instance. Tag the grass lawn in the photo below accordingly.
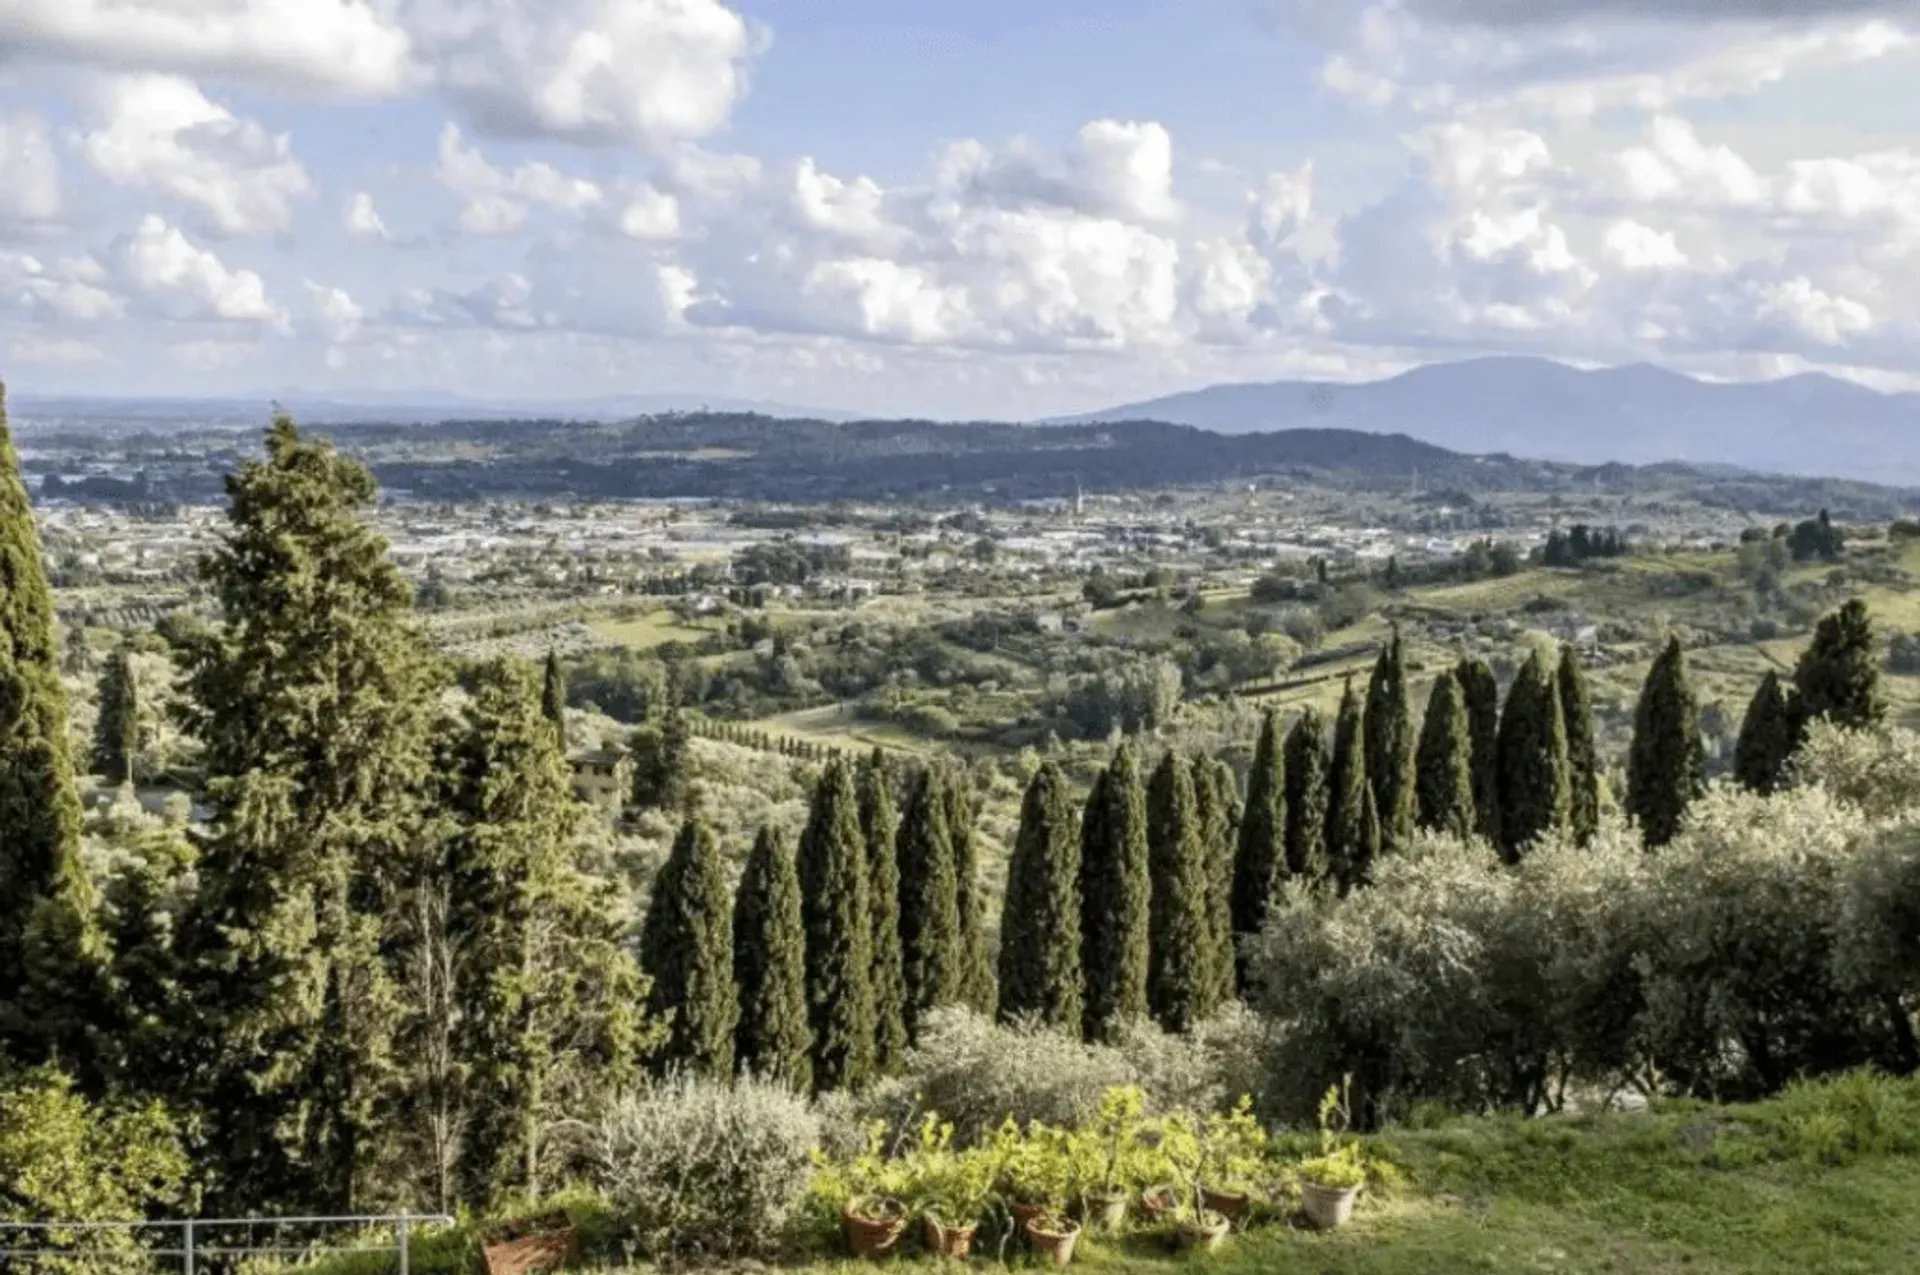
(644, 632)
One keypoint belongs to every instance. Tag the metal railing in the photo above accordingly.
(203, 1244)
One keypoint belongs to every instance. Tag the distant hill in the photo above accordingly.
(400, 406)
(1806, 425)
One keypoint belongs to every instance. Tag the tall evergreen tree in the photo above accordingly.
(1768, 736)
(770, 967)
(312, 701)
(833, 898)
(1040, 925)
(1350, 850)
(1307, 798)
(979, 989)
(1260, 856)
(879, 827)
(1482, 693)
(1389, 743)
(1666, 765)
(1217, 801)
(932, 957)
(1583, 755)
(1838, 677)
(686, 947)
(1179, 982)
(1536, 788)
(50, 941)
(116, 731)
(1116, 893)
(553, 696)
(1444, 772)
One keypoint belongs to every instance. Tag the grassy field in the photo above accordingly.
(644, 632)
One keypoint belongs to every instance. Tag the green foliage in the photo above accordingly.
(1353, 833)
(1838, 676)
(1040, 925)
(770, 967)
(553, 696)
(1768, 735)
(686, 947)
(1307, 799)
(979, 989)
(839, 948)
(1443, 774)
(1583, 757)
(663, 767)
(1666, 766)
(1390, 744)
(1260, 859)
(1536, 789)
(1217, 803)
(1482, 694)
(1116, 890)
(932, 957)
(880, 828)
(1179, 977)
(117, 730)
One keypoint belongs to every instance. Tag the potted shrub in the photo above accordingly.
(1030, 1173)
(1052, 1236)
(1170, 1150)
(1330, 1181)
(874, 1216)
(1232, 1146)
(1103, 1197)
(951, 1188)
(1199, 1228)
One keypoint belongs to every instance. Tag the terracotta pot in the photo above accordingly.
(1055, 1242)
(1227, 1203)
(1327, 1207)
(1025, 1213)
(529, 1247)
(1104, 1210)
(1204, 1233)
(1156, 1200)
(947, 1241)
(874, 1227)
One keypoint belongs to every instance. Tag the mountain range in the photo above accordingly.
(1805, 425)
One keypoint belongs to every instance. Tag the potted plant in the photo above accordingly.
(1169, 1149)
(952, 1188)
(1029, 1175)
(1052, 1236)
(1103, 1198)
(874, 1217)
(1232, 1146)
(1330, 1181)
(1199, 1228)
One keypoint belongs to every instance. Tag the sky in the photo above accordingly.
(971, 208)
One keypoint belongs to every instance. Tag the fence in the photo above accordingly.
(204, 1245)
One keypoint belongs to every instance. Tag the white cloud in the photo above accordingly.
(74, 289)
(650, 215)
(1636, 246)
(1113, 168)
(363, 220)
(29, 173)
(1679, 166)
(158, 132)
(191, 282)
(336, 313)
(497, 202)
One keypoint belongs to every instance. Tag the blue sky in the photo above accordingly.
(989, 208)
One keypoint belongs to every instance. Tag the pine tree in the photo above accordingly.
(1217, 802)
(1040, 925)
(1666, 765)
(932, 959)
(553, 696)
(1838, 677)
(1260, 857)
(1583, 757)
(312, 701)
(1179, 982)
(979, 989)
(1389, 744)
(116, 732)
(879, 828)
(1536, 788)
(833, 898)
(770, 967)
(1768, 736)
(686, 947)
(1482, 693)
(1307, 799)
(1116, 893)
(1444, 772)
(1350, 851)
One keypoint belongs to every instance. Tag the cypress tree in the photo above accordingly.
(1583, 758)
(1482, 693)
(1444, 774)
(1179, 982)
(1536, 789)
(1838, 678)
(1040, 920)
(770, 967)
(1116, 894)
(313, 703)
(932, 959)
(1307, 798)
(553, 697)
(1350, 851)
(879, 827)
(1217, 801)
(1768, 736)
(1260, 856)
(686, 947)
(833, 898)
(1666, 766)
(50, 942)
(116, 732)
(1389, 744)
(979, 990)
